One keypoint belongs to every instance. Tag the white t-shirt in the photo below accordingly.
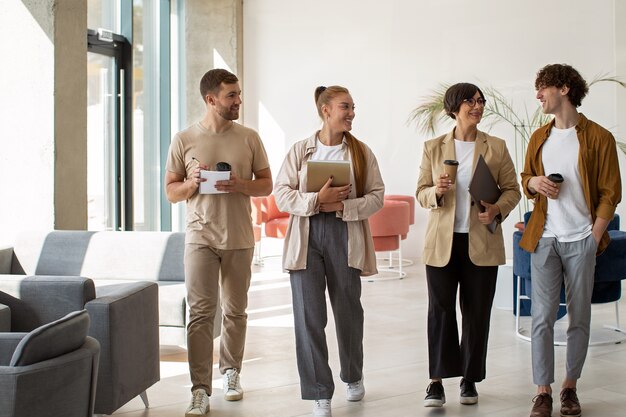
(568, 217)
(328, 153)
(465, 155)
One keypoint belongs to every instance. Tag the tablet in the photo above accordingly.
(318, 172)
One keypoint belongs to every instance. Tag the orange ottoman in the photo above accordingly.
(409, 199)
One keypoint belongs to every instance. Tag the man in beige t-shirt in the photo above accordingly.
(219, 233)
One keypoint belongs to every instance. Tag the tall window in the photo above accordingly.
(146, 117)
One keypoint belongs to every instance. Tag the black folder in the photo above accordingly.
(484, 187)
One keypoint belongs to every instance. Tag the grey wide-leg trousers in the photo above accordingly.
(327, 265)
(553, 263)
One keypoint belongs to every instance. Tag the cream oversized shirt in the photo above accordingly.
(291, 198)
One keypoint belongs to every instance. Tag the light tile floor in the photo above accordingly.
(396, 362)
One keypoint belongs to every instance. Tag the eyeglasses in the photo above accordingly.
(474, 101)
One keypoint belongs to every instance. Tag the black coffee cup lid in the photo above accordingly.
(451, 162)
(555, 177)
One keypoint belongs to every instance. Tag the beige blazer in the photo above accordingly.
(485, 248)
(290, 197)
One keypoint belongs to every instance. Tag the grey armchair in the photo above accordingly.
(51, 371)
(124, 319)
(5, 318)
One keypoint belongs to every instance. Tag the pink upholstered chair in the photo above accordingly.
(411, 200)
(265, 213)
(277, 221)
(387, 227)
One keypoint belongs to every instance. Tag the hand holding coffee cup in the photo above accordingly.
(449, 167)
(557, 179)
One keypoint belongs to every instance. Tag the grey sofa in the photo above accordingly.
(37, 380)
(111, 258)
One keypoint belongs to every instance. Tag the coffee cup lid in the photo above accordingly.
(451, 162)
(555, 177)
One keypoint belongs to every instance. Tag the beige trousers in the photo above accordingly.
(203, 280)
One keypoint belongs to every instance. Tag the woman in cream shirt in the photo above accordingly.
(460, 252)
(329, 245)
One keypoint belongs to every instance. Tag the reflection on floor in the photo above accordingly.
(396, 362)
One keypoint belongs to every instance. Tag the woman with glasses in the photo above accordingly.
(329, 245)
(460, 250)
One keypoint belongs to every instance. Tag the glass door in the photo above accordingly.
(101, 141)
(109, 133)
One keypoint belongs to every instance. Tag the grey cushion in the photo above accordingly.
(63, 253)
(53, 339)
(172, 304)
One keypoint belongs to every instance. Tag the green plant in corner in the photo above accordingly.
(498, 109)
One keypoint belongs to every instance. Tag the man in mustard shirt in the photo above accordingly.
(567, 228)
(219, 236)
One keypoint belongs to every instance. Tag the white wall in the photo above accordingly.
(43, 96)
(390, 54)
(27, 120)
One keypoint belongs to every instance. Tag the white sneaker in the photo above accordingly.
(199, 405)
(321, 408)
(356, 391)
(232, 387)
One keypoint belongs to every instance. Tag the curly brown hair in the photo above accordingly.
(559, 75)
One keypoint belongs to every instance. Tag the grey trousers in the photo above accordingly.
(327, 266)
(553, 263)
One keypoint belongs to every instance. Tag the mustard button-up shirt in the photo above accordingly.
(599, 171)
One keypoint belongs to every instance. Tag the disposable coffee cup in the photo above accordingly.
(449, 167)
(557, 179)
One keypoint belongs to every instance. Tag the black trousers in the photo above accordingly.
(477, 286)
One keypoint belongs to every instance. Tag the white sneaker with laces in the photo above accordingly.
(355, 391)
(199, 405)
(232, 387)
(321, 408)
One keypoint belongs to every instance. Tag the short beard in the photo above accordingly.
(227, 114)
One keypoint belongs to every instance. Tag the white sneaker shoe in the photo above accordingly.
(232, 387)
(321, 408)
(199, 405)
(356, 391)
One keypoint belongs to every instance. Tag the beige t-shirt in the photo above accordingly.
(222, 221)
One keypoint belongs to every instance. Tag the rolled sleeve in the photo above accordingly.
(609, 180)
(286, 190)
(426, 194)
